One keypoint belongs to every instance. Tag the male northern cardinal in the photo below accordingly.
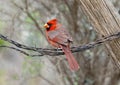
(59, 37)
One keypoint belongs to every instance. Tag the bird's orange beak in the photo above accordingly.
(46, 26)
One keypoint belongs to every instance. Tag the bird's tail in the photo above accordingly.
(71, 60)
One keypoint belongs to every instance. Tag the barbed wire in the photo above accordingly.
(54, 52)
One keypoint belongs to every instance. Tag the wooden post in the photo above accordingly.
(105, 20)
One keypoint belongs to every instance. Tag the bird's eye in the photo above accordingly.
(49, 24)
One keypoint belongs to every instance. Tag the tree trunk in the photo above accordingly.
(106, 21)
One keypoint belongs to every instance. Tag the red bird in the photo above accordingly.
(59, 37)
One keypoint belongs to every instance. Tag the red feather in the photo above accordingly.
(60, 38)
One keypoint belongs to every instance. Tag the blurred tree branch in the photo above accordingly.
(55, 52)
(26, 10)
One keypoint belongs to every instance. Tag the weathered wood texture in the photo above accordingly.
(105, 20)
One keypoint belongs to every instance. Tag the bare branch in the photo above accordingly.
(55, 52)
(21, 51)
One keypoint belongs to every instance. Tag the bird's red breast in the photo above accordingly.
(56, 34)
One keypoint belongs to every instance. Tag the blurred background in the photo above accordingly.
(23, 20)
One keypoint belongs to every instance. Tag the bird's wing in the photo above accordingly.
(60, 36)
